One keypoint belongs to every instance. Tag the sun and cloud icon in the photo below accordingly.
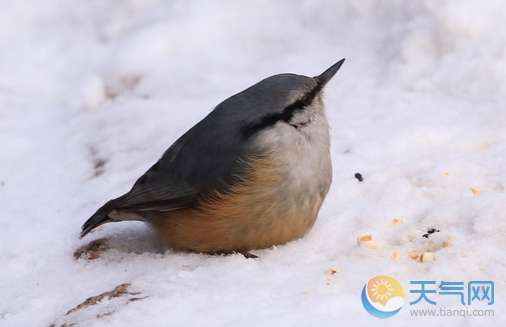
(383, 296)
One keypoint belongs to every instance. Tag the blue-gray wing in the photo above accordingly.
(209, 157)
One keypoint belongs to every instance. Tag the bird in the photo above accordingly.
(251, 175)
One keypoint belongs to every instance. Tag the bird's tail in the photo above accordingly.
(99, 218)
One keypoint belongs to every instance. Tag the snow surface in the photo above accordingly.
(104, 87)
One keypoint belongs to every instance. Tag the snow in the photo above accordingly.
(93, 92)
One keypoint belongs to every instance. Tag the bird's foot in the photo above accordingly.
(248, 255)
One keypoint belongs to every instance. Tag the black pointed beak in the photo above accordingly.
(327, 75)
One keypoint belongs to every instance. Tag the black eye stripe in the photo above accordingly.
(285, 116)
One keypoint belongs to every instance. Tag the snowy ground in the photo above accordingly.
(92, 93)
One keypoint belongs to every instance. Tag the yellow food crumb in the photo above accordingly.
(447, 173)
(427, 257)
(475, 191)
(393, 256)
(446, 244)
(413, 254)
(395, 221)
(364, 238)
(371, 244)
(305, 293)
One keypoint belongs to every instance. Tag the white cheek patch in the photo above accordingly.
(303, 154)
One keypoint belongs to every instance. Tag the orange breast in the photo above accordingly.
(258, 213)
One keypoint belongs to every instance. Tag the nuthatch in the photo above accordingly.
(250, 175)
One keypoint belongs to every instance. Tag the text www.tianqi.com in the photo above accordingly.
(442, 312)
